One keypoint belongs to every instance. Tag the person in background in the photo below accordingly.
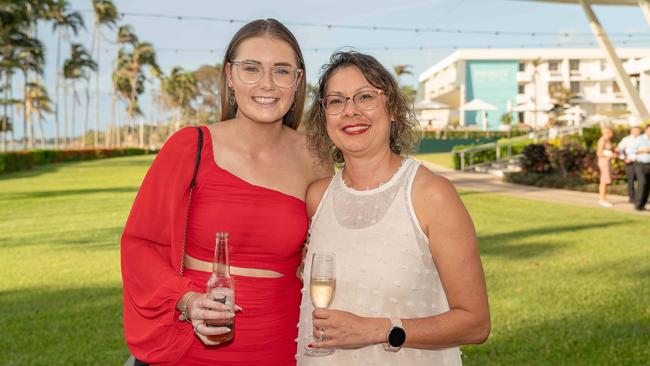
(624, 150)
(410, 286)
(604, 153)
(641, 151)
(253, 175)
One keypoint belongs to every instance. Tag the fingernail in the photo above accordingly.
(310, 345)
(238, 308)
(231, 315)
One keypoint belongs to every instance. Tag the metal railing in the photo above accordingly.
(535, 136)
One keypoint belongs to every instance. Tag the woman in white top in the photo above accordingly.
(409, 281)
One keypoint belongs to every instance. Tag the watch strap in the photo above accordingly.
(395, 323)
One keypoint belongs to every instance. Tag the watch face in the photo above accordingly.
(396, 337)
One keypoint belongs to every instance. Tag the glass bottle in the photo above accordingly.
(221, 287)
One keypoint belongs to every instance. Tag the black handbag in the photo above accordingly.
(132, 361)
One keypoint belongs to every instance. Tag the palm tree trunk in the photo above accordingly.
(65, 114)
(12, 137)
(58, 87)
(42, 130)
(86, 110)
(116, 113)
(98, 45)
(87, 104)
(25, 130)
(5, 125)
(75, 98)
(118, 128)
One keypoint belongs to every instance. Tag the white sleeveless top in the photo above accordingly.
(383, 267)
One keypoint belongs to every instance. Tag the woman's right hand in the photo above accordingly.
(202, 308)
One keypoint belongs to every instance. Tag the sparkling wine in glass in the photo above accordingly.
(322, 284)
(221, 287)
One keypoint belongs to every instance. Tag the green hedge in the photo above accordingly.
(487, 155)
(556, 180)
(428, 145)
(25, 160)
(452, 134)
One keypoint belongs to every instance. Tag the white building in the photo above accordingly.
(517, 81)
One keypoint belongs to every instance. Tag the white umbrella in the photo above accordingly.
(477, 105)
(428, 104)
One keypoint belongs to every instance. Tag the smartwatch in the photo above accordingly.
(396, 336)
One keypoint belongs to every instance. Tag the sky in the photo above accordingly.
(190, 43)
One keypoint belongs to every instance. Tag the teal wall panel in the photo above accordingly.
(494, 82)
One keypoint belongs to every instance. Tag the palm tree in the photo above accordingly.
(38, 102)
(402, 70)
(74, 68)
(64, 20)
(30, 59)
(20, 50)
(129, 77)
(181, 88)
(125, 36)
(105, 14)
(207, 82)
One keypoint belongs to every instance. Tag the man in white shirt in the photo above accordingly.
(641, 149)
(624, 150)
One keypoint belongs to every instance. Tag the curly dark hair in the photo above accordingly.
(403, 138)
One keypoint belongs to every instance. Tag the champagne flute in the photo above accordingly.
(322, 284)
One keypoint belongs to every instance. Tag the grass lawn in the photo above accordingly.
(567, 285)
(443, 159)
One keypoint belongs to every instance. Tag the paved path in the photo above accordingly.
(493, 184)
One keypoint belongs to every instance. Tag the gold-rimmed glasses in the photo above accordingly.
(365, 100)
(250, 72)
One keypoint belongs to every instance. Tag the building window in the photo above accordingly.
(553, 65)
(615, 88)
(574, 65)
(520, 117)
(619, 107)
(575, 87)
(521, 88)
(603, 65)
(522, 66)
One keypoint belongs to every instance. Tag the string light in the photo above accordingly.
(416, 30)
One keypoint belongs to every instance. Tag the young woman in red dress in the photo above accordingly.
(251, 182)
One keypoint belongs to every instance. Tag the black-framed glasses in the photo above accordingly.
(252, 73)
(365, 100)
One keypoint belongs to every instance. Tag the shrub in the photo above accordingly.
(15, 161)
(452, 134)
(25, 160)
(568, 158)
(534, 159)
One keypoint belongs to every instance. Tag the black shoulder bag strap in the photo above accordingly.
(197, 161)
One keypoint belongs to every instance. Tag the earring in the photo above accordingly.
(231, 98)
(293, 107)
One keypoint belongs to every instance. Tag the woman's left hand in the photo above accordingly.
(342, 329)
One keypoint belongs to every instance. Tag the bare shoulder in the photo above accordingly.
(319, 168)
(438, 207)
(432, 187)
(315, 193)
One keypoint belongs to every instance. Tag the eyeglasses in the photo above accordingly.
(365, 100)
(282, 76)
